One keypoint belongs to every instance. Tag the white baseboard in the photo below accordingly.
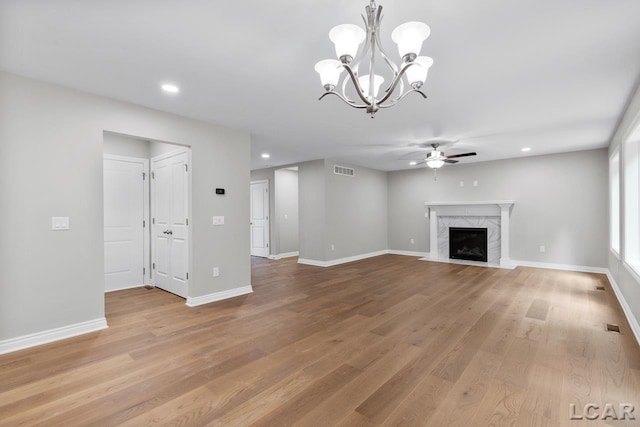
(284, 255)
(633, 322)
(124, 288)
(44, 337)
(407, 253)
(338, 261)
(568, 267)
(218, 296)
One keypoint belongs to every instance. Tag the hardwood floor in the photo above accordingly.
(384, 341)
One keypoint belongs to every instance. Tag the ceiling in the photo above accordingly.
(551, 75)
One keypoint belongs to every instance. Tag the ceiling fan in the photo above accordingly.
(435, 158)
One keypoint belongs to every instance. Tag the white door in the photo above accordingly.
(259, 218)
(124, 182)
(170, 223)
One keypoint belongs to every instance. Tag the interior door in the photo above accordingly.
(170, 224)
(260, 218)
(123, 181)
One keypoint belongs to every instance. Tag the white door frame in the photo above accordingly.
(189, 210)
(263, 181)
(146, 236)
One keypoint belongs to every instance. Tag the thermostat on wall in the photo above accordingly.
(219, 190)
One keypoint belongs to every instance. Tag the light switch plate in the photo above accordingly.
(218, 220)
(59, 223)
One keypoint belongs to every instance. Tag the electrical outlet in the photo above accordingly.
(218, 220)
(333, 247)
(475, 183)
(542, 249)
(461, 183)
(216, 271)
(413, 241)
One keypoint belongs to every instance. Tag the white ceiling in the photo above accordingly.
(548, 74)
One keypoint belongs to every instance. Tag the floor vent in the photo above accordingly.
(341, 170)
(148, 287)
(613, 328)
(600, 288)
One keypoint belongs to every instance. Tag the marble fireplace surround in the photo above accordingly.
(492, 214)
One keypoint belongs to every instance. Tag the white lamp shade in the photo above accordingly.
(417, 73)
(435, 164)
(364, 84)
(409, 37)
(329, 70)
(347, 38)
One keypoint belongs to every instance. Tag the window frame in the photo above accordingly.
(615, 214)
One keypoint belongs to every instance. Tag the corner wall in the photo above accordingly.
(560, 203)
(627, 282)
(51, 147)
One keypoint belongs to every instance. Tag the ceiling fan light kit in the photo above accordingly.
(348, 37)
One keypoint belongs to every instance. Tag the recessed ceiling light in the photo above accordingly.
(525, 149)
(170, 88)
(265, 155)
(413, 163)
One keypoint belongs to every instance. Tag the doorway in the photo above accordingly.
(146, 192)
(259, 222)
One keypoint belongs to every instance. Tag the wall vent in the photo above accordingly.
(341, 170)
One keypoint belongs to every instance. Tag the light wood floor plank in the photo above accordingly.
(389, 340)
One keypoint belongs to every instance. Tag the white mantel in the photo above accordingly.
(488, 208)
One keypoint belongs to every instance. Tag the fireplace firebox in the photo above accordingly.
(468, 243)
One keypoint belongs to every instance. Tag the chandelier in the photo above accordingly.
(347, 38)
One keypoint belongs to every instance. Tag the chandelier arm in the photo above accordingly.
(362, 53)
(397, 79)
(401, 97)
(354, 79)
(391, 65)
(348, 102)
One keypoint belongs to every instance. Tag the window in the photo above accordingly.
(614, 202)
(631, 156)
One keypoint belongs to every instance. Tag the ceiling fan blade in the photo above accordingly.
(461, 155)
(450, 161)
(420, 163)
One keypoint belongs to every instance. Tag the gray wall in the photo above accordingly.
(628, 284)
(356, 212)
(286, 211)
(560, 202)
(157, 148)
(124, 145)
(312, 211)
(51, 165)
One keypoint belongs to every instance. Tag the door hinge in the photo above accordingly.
(144, 176)
(153, 175)
(187, 220)
(153, 265)
(186, 168)
(144, 271)
(266, 190)
(144, 223)
(153, 220)
(187, 276)
(267, 245)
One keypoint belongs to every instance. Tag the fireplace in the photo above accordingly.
(468, 243)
